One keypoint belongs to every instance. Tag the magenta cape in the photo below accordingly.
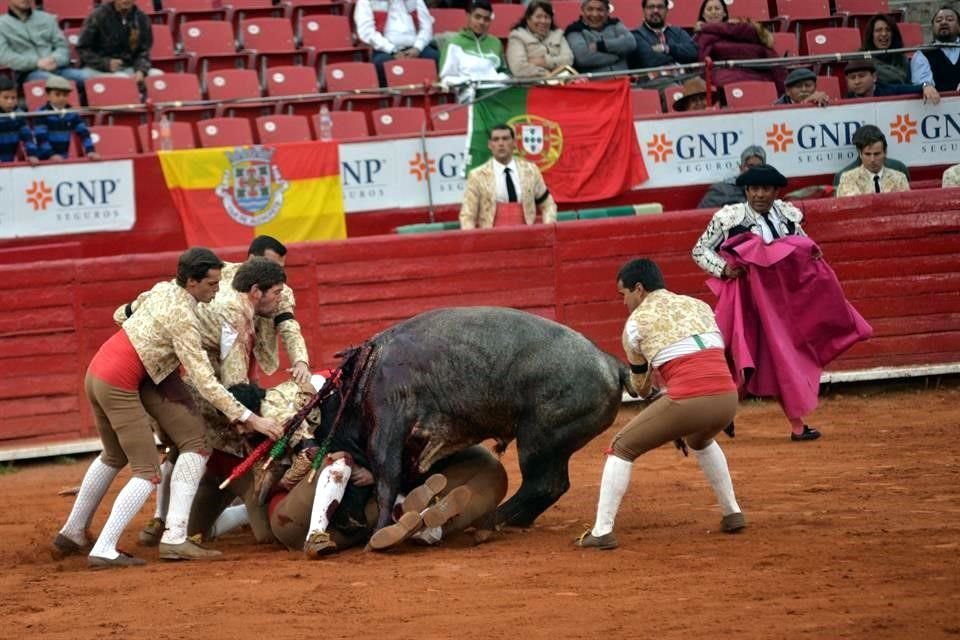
(785, 320)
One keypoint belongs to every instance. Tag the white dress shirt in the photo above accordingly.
(502, 179)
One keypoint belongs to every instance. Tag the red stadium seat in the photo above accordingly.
(224, 132)
(682, 13)
(756, 10)
(70, 13)
(445, 20)
(236, 84)
(35, 94)
(181, 136)
(182, 11)
(565, 13)
(163, 53)
(114, 141)
(504, 17)
(271, 42)
(296, 81)
(213, 46)
(172, 88)
(347, 125)
(449, 118)
(283, 128)
(830, 85)
(351, 76)
(805, 15)
(630, 13)
(645, 102)
(399, 121)
(671, 93)
(250, 9)
(912, 34)
(73, 37)
(297, 9)
(411, 71)
(109, 91)
(856, 13)
(832, 40)
(750, 94)
(785, 44)
(332, 40)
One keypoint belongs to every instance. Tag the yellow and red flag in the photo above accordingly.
(227, 196)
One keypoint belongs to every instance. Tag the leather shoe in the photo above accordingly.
(64, 546)
(151, 533)
(122, 561)
(809, 433)
(319, 543)
(587, 540)
(187, 550)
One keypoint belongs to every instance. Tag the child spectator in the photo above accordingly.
(13, 127)
(53, 131)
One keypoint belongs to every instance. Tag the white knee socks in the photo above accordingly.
(230, 519)
(714, 466)
(94, 486)
(184, 481)
(128, 503)
(163, 490)
(331, 485)
(613, 485)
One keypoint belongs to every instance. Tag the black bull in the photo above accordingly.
(447, 379)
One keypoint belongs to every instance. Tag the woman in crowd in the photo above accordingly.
(536, 47)
(883, 33)
(723, 38)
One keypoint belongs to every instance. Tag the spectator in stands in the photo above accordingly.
(694, 96)
(473, 54)
(951, 177)
(727, 192)
(800, 87)
(395, 29)
(14, 129)
(116, 39)
(505, 190)
(883, 33)
(658, 44)
(721, 38)
(54, 131)
(872, 176)
(890, 163)
(32, 44)
(862, 83)
(940, 67)
(599, 42)
(536, 47)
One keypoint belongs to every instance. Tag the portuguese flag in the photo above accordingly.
(580, 135)
(227, 196)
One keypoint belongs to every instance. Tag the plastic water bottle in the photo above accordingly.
(326, 124)
(166, 137)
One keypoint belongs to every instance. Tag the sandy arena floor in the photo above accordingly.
(854, 536)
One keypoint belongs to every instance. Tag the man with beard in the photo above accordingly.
(659, 44)
(940, 67)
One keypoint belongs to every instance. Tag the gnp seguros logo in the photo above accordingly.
(695, 152)
(538, 140)
(814, 142)
(935, 132)
(73, 199)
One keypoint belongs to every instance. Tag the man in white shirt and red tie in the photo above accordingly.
(505, 190)
(395, 29)
(871, 176)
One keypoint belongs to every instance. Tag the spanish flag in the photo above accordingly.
(227, 196)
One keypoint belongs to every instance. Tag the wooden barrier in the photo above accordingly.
(897, 255)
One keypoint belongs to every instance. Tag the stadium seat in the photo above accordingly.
(352, 76)
(212, 45)
(645, 102)
(347, 125)
(251, 9)
(830, 85)
(411, 71)
(283, 128)
(504, 17)
(114, 141)
(449, 118)
(181, 136)
(271, 42)
(171, 88)
(832, 40)
(912, 34)
(683, 13)
(296, 81)
(182, 11)
(163, 53)
(399, 121)
(108, 91)
(224, 132)
(804, 15)
(297, 9)
(448, 20)
(73, 37)
(785, 44)
(671, 93)
(35, 94)
(237, 84)
(332, 40)
(565, 13)
(70, 13)
(746, 94)
(856, 13)
(631, 13)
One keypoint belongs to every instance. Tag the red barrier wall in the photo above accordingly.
(898, 257)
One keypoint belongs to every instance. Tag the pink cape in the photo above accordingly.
(785, 320)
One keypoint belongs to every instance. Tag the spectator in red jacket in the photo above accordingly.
(721, 37)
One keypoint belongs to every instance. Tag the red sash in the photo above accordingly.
(509, 214)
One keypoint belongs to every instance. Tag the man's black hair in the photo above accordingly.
(194, 264)
(643, 271)
(261, 244)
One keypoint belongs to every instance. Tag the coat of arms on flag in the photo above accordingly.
(252, 188)
(538, 140)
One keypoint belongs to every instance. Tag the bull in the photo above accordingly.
(450, 378)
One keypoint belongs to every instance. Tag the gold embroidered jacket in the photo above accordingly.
(859, 182)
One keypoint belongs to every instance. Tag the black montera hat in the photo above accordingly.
(762, 175)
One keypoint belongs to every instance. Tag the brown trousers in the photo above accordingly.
(696, 420)
(124, 426)
(475, 467)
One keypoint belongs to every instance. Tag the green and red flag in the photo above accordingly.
(581, 135)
